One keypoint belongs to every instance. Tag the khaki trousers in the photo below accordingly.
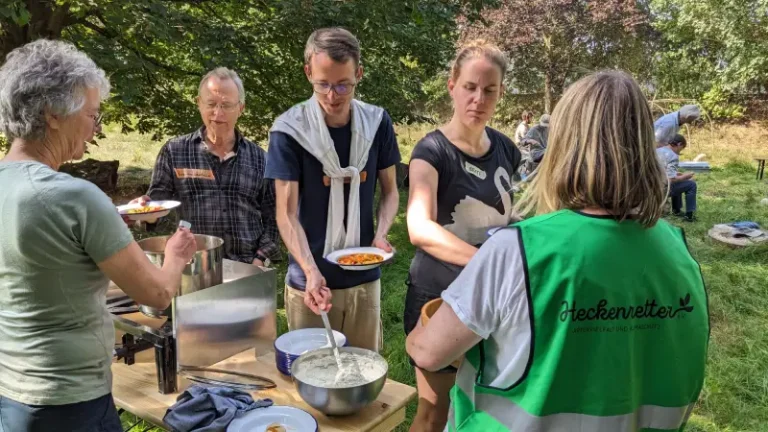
(355, 312)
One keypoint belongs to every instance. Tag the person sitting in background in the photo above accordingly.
(679, 183)
(62, 242)
(540, 134)
(522, 128)
(533, 146)
(667, 126)
(218, 175)
(568, 321)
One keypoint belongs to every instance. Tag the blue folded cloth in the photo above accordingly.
(745, 225)
(209, 408)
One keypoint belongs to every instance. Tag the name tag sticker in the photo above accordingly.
(190, 173)
(475, 171)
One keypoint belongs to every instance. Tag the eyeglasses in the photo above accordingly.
(97, 119)
(340, 89)
(226, 107)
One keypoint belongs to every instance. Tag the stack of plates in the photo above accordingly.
(291, 345)
(695, 166)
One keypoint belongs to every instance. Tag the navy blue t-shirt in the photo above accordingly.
(288, 160)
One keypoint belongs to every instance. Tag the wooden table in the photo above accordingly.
(134, 389)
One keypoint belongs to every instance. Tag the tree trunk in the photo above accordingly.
(401, 175)
(548, 73)
(101, 173)
(46, 21)
(548, 93)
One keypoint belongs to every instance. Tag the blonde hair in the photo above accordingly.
(601, 153)
(479, 48)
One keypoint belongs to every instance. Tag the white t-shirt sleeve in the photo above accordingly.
(490, 291)
(520, 132)
(491, 298)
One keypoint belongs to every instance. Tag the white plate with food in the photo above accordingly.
(149, 211)
(360, 258)
(274, 419)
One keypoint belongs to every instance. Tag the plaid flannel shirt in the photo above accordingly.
(229, 199)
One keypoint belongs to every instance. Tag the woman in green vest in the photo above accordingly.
(592, 315)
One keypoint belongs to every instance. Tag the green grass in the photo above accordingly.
(735, 396)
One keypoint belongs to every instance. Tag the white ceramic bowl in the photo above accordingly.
(291, 345)
(292, 419)
(297, 342)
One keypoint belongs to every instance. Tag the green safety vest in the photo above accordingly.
(620, 327)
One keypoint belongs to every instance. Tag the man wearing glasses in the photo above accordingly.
(326, 156)
(218, 176)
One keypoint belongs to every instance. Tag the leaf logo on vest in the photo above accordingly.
(605, 312)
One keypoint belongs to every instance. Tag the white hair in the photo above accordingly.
(223, 73)
(42, 77)
(689, 113)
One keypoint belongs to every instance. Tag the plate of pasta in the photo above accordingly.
(149, 211)
(360, 258)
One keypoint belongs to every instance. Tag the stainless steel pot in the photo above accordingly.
(203, 271)
(338, 401)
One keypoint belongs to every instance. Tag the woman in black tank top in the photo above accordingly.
(460, 187)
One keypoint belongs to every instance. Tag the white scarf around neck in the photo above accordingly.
(305, 123)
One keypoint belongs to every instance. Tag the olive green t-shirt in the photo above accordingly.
(56, 336)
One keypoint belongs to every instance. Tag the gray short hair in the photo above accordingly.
(338, 43)
(223, 73)
(42, 77)
(689, 113)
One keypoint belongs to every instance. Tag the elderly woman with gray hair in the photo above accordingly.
(62, 242)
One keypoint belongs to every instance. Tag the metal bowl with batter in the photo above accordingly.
(338, 401)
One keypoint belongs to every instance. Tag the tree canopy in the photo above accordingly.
(712, 50)
(156, 51)
(551, 42)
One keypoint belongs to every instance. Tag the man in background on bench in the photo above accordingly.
(679, 183)
(667, 126)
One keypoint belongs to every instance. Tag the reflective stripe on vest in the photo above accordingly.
(517, 419)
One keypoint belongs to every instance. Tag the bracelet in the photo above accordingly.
(263, 259)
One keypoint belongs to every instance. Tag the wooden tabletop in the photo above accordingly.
(134, 389)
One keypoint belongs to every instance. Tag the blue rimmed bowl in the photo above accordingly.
(289, 346)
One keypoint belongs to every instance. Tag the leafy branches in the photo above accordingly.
(155, 51)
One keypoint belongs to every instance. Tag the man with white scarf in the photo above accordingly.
(326, 155)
